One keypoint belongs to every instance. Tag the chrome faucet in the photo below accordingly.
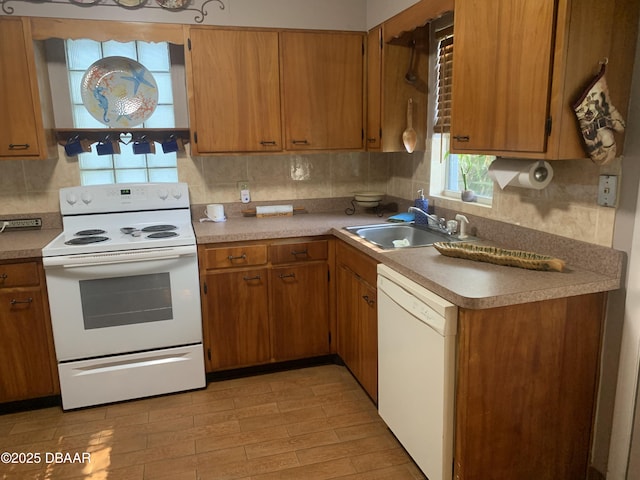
(440, 223)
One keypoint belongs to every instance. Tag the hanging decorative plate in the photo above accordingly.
(119, 92)
(130, 3)
(85, 2)
(173, 4)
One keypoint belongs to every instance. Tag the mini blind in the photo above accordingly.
(444, 78)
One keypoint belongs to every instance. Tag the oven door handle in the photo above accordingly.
(112, 258)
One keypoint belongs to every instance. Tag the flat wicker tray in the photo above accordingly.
(499, 256)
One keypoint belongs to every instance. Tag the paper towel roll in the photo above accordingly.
(521, 173)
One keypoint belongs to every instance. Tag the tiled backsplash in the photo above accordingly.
(567, 207)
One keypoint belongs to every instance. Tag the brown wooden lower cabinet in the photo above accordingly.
(300, 311)
(357, 315)
(27, 358)
(264, 302)
(526, 389)
(237, 306)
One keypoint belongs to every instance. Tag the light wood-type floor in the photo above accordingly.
(306, 424)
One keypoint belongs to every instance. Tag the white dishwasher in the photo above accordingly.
(416, 370)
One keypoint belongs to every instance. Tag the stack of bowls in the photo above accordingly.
(368, 199)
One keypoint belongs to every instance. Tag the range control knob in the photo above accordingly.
(71, 198)
(163, 193)
(86, 198)
(175, 193)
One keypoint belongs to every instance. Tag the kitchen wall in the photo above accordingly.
(567, 207)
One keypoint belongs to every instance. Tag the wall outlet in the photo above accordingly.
(608, 190)
(245, 195)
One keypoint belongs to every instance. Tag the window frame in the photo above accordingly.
(166, 171)
(440, 132)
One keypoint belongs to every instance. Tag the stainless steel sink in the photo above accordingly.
(389, 236)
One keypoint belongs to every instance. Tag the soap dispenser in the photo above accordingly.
(423, 204)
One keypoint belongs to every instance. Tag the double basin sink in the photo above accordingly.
(388, 236)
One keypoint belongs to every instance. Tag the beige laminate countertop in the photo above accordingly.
(466, 283)
(25, 243)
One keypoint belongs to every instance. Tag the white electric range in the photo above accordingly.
(124, 294)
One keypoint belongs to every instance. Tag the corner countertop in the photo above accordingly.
(468, 284)
(25, 243)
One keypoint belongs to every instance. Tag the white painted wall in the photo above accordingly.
(623, 314)
(380, 10)
(354, 15)
(307, 14)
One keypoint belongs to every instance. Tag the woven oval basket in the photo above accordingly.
(500, 256)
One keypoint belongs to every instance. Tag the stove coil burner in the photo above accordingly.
(159, 228)
(90, 232)
(86, 240)
(163, 234)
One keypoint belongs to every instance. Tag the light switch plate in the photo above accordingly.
(608, 190)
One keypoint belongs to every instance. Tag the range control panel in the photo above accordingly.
(123, 197)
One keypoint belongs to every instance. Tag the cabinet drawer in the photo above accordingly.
(298, 252)
(19, 275)
(240, 256)
(359, 263)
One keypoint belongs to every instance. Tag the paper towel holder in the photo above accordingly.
(541, 173)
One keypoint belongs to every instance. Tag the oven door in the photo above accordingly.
(122, 302)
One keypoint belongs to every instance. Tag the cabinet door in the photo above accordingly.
(237, 322)
(20, 121)
(348, 301)
(25, 368)
(501, 75)
(322, 85)
(374, 89)
(300, 317)
(526, 389)
(235, 103)
(368, 342)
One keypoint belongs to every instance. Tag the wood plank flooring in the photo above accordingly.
(307, 424)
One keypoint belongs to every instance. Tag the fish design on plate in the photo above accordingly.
(173, 4)
(119, 92)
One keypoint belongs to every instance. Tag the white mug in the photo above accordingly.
(215, 211)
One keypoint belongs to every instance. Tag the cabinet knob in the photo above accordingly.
(287, 275)
(18, 146)
(268, 143)
(370, 301)
(295, 253)
(3, 276)
(300, 142)
(231, 258)
(247, 279)
(461, 138)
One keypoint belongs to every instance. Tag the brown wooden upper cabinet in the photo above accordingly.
(388, 91)
(250, 89)
(398, 50)
(519, 66)
(322, 90)
(22, 131)
(234, 104)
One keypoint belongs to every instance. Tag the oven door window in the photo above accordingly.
(111, 302)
